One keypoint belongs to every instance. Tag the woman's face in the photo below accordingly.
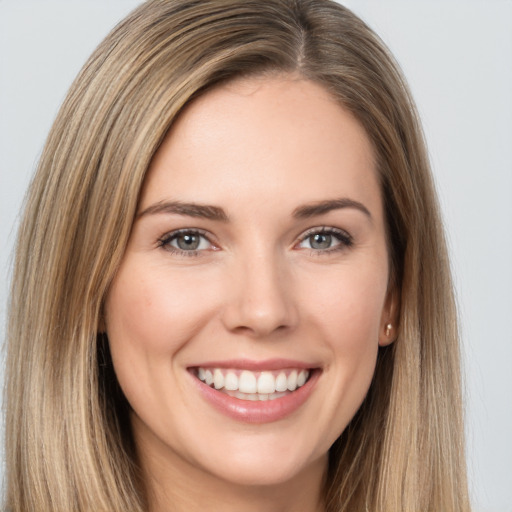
(245, 319)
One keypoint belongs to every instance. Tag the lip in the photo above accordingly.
(257, 366)
(257, 411)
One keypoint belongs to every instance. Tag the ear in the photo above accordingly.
(388, 330)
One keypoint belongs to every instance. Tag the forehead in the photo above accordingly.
(277, 139)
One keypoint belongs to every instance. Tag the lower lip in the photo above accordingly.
(261, 411)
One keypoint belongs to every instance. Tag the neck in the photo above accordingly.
(182, 495)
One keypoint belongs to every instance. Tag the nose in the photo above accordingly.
(259, 301)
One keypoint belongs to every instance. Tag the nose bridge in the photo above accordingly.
(260, 301)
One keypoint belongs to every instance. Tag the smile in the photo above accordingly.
(253, 386)
(255, 391)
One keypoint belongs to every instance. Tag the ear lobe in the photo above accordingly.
(388, 331)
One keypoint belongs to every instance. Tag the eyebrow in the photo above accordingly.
(322, 207)
(189, 209)
(216, 213)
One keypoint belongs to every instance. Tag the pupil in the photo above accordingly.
(320, 241)
(188, 242)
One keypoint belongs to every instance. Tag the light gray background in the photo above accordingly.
(457, 56)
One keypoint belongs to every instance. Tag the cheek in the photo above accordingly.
(348, 305)
(342, 310)
(156, 313)
(149, 319)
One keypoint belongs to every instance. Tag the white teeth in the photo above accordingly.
(281, 382)
(231, 381)
(218, 379)
(247, 382)
(266, 383)
(292, 381)
(248, 385)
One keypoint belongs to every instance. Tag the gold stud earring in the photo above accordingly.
(388, 329)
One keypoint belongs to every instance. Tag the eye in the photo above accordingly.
(325, 240)
(186, 241)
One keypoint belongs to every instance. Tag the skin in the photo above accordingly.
(256, 289)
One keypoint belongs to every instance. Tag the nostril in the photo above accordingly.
(260, 330)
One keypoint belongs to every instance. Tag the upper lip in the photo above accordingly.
(256, 366)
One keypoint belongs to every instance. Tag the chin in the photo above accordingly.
(266, 462)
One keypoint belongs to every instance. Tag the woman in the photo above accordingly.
(231, 286)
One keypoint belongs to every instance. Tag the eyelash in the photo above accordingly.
(165, 241)
(344, 239)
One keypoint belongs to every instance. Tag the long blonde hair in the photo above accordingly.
(68, 440)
